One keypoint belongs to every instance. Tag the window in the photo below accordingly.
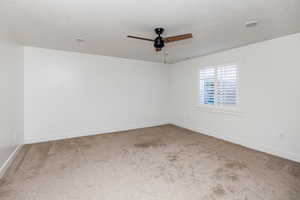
(218, 86)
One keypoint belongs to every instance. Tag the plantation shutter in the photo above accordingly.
(218, 86)
(207, 86)
(226, 86)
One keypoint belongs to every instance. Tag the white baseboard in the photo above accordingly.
(9, 161)
(89, 133)
(265, 149)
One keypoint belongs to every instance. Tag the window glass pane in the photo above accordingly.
(208, 93)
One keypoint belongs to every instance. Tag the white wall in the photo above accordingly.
(71, 94)
(269, 97)
(11, 97)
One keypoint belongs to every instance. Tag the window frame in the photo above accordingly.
(218, 107)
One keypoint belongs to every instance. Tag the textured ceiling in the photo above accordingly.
(104, 24)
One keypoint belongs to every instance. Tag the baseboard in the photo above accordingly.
(90, 133)
(264, 149)
(9, 161)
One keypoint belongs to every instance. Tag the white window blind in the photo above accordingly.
(218, 86)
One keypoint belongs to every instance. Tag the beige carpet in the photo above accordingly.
(159, 163)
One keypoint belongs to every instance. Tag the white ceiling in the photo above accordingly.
(104, 24)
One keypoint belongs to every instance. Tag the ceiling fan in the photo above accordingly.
(159, 42)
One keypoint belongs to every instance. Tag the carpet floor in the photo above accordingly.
(158, 163)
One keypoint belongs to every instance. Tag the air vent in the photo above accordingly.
(251, 24)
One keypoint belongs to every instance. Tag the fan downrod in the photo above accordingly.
(159, 31)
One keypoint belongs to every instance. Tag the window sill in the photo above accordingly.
(220, 110)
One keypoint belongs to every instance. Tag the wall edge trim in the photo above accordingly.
(9, 161)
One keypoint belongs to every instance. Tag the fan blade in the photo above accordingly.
(139, 38)
(177, 38)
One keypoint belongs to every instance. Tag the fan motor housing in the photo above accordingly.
(159, 43)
